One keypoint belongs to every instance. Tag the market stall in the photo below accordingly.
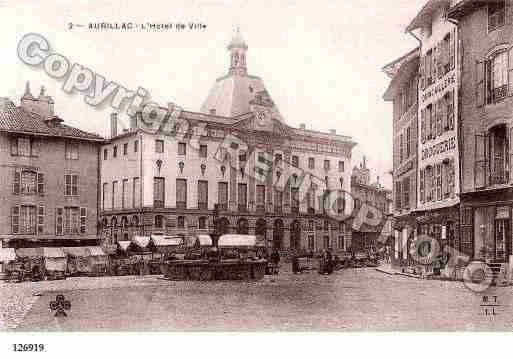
(55, 262)
(78, 261)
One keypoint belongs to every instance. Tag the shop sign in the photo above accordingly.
(440, 87)
(438, 148)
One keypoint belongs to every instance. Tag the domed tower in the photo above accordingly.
(237, 92)
(238, 48)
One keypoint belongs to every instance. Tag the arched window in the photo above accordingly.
(114, 222)
(124, 222)
(180, 222)
(326, 225)
(159, 221)
(202, 223)
(242, 226)
(135, 221)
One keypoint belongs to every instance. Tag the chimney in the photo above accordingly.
(333, 131)
(302, 126)
(113, 125)
(6, 103)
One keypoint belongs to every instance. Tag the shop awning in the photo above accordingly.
(76, 251)
(238, 240)
(160, 240)
(96, 251)
(204, 240)
(29, 252)
(7, 254)
(53, 252)
(123, 245)
(141, 241)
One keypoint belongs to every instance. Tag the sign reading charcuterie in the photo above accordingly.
(440, 147)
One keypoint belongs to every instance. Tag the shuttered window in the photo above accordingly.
(202, 194)
(181, 193)
(159, 191)
(222, 194)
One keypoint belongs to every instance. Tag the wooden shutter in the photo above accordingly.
(434, 63)
(423, 125)
(452, 49)
(421, 185)
(509, 12)
(439, 116)
(480, 83)
(450, 110)
(481, 160)
(422, 75)
(510, 72)
(510, 144)
(16, 182)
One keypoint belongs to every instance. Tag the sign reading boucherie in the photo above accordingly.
(438, 148)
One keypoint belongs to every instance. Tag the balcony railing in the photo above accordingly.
(158, 204)
(499, 176)
(181, 205)
(223, 206)
(202, 205)
(499, 93)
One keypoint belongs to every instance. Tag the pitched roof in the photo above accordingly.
(17, 119)
(426, 13)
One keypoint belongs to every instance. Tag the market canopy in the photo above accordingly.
(141, 241)
(124, 245)
(204, 239)
(7, 254)
(76, 251)
(29, 252)
(96, 251)
(161, 240)
(53, 252)
(238, 240)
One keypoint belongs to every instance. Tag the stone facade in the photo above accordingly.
(238, 153)
(486, 41)
(49, 181)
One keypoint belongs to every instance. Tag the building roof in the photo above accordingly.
(393, 67)
(425, 15)
(19, 120)
(463, 7)
(407, 67)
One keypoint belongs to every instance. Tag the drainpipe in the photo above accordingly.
(141, 192)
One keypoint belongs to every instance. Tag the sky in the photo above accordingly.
(320, 61)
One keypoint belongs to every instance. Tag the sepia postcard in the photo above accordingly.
(265, 167)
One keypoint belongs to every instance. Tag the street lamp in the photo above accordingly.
(216, 234)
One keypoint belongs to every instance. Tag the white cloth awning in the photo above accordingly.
(204, 239)
(53, 252)
(141, 241)
(76, 251)
(7, 254)
(96, 251)
(124, 245)
(238, 240)
(160, 240)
